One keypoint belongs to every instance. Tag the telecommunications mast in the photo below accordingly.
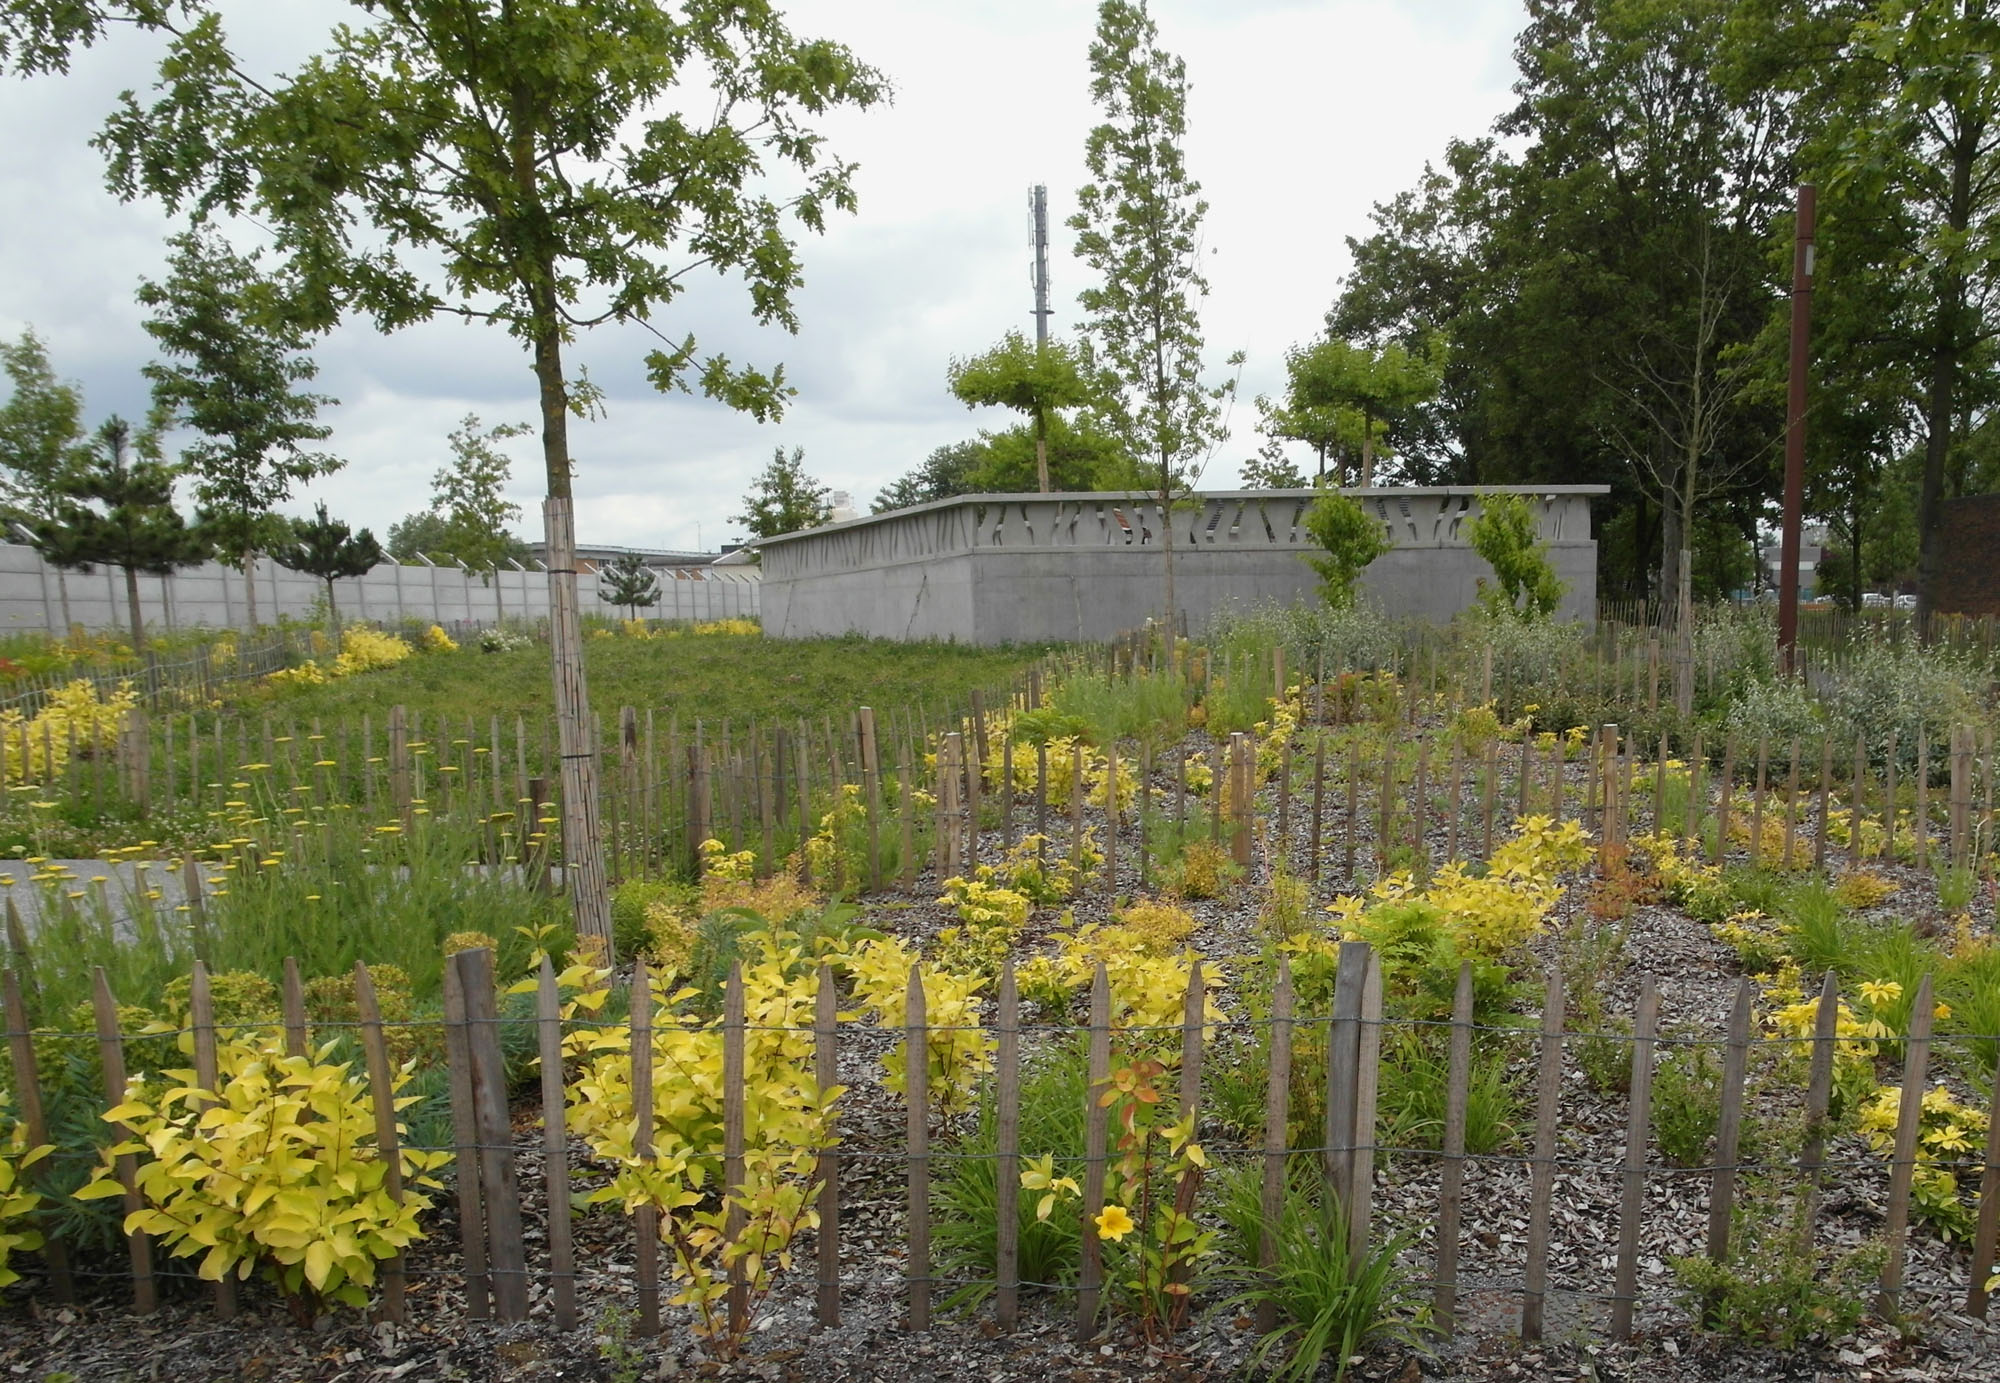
(1038, 203)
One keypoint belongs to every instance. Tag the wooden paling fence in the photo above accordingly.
(502, 1280)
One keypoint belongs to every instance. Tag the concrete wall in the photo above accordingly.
(31, 594)
(994, 569)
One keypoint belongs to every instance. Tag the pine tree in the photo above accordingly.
(117, 510)
(629, 582)
(325, 547)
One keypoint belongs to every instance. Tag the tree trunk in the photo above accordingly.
(583, 846)
(1367, 451)
(333, 615)
(250, 585)
(1673, 543)
(1167, 537)
(62, 594)
(132, 604)
(1042, 451)
(1937, 420)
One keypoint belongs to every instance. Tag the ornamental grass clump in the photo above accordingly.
(275, 1172)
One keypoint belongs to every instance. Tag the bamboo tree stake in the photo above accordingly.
(735, 1218)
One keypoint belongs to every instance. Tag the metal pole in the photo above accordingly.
(1038, 200)
(1795, 430)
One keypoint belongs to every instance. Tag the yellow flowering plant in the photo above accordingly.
(957, 1048)
(1947, 1131)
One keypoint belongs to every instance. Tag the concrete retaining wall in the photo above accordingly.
(31, 594)
(992, 569)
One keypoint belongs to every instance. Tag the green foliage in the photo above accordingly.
(469, 510)
(1414, 1080)
(117, 509)
(1776, 1287)
(1037, 379)
(1054, 1095)
(1342, 399)
(1143, 706)
(1504, 532)
(1332, 1305)
(1687, 1104)
(41, 430)
(782, 498)
(627, 581)
(326, 548)
(1138, 226)
(238, 364)
(1349, 540)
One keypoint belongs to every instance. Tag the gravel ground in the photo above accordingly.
(101, 1340)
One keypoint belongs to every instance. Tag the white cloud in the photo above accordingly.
(1302, 116)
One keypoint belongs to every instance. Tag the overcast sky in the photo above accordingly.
(1302, 116)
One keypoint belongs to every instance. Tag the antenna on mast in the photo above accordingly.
(1038, 203)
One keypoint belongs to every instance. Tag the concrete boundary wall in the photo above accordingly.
(212, 595)
(993, 569)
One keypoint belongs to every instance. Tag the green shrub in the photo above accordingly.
(1687, 1104)
(1349, 540)
(1505, 533)
(1777, 1287)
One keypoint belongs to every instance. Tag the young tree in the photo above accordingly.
(1036, 379)
(1272, 469)
(627, 580)
(41, 439)
(470, 496)
(532, 165)
(118, 510)
(783, 498)
(237, 366)
(1138, 225)
(1525, 586)
(325, 547)
(423, 534)
(1349, 540)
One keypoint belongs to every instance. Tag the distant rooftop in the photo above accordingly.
(600, 553)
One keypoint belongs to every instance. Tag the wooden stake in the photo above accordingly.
(1277, 1115)
(1096, 1135)
(646, 1218)
(1451, 1187)
(1729, 1131)
(1542, 1169)
(826, 1075)
(555, 1142)
(1007, 1141)
(1903, 1163)
(111, 1053)
(916, 1098)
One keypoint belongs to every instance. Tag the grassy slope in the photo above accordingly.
(714, 676)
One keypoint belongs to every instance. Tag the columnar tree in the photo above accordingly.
(42, 439)
(541, 166)
(325, 547)
(235, 370)
(469, 512)
(1138, 225)
(117, 510)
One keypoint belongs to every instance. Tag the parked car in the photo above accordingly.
(1906, 602)
(1874, 600)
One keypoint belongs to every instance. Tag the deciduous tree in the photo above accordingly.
(42, 439)
(538, 165)
(1039, 379)
(235, 370)
(1138, 225)
(782, 498)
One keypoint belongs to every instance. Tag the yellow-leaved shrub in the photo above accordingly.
(786, 1122)
(956, 1048)
(17, 1203)
(276, 1170)
(73, 709)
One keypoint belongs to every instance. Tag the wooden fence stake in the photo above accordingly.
(1277, 1115)
(916, 1096)
(1983, 1239)
(646, 1219)
(1451, 1180)
(1638, 1120)
(111, 1051)
(1343, 1060)
(201, 1019)
(1729, 1131)
(499, 1189)
(1903, 1165)
(1368, 1068)
(736, 1218)
(1007, 1163)
(28, 1101)
(294, 1001)
(1096, 1138)
(1819, 1099)
(826, 1075)
(1542, 1169)
(555, 1142)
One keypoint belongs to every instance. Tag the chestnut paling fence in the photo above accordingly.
(501, 1279)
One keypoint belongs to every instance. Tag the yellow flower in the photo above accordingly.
(1878, 992)
(1114, 1223)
